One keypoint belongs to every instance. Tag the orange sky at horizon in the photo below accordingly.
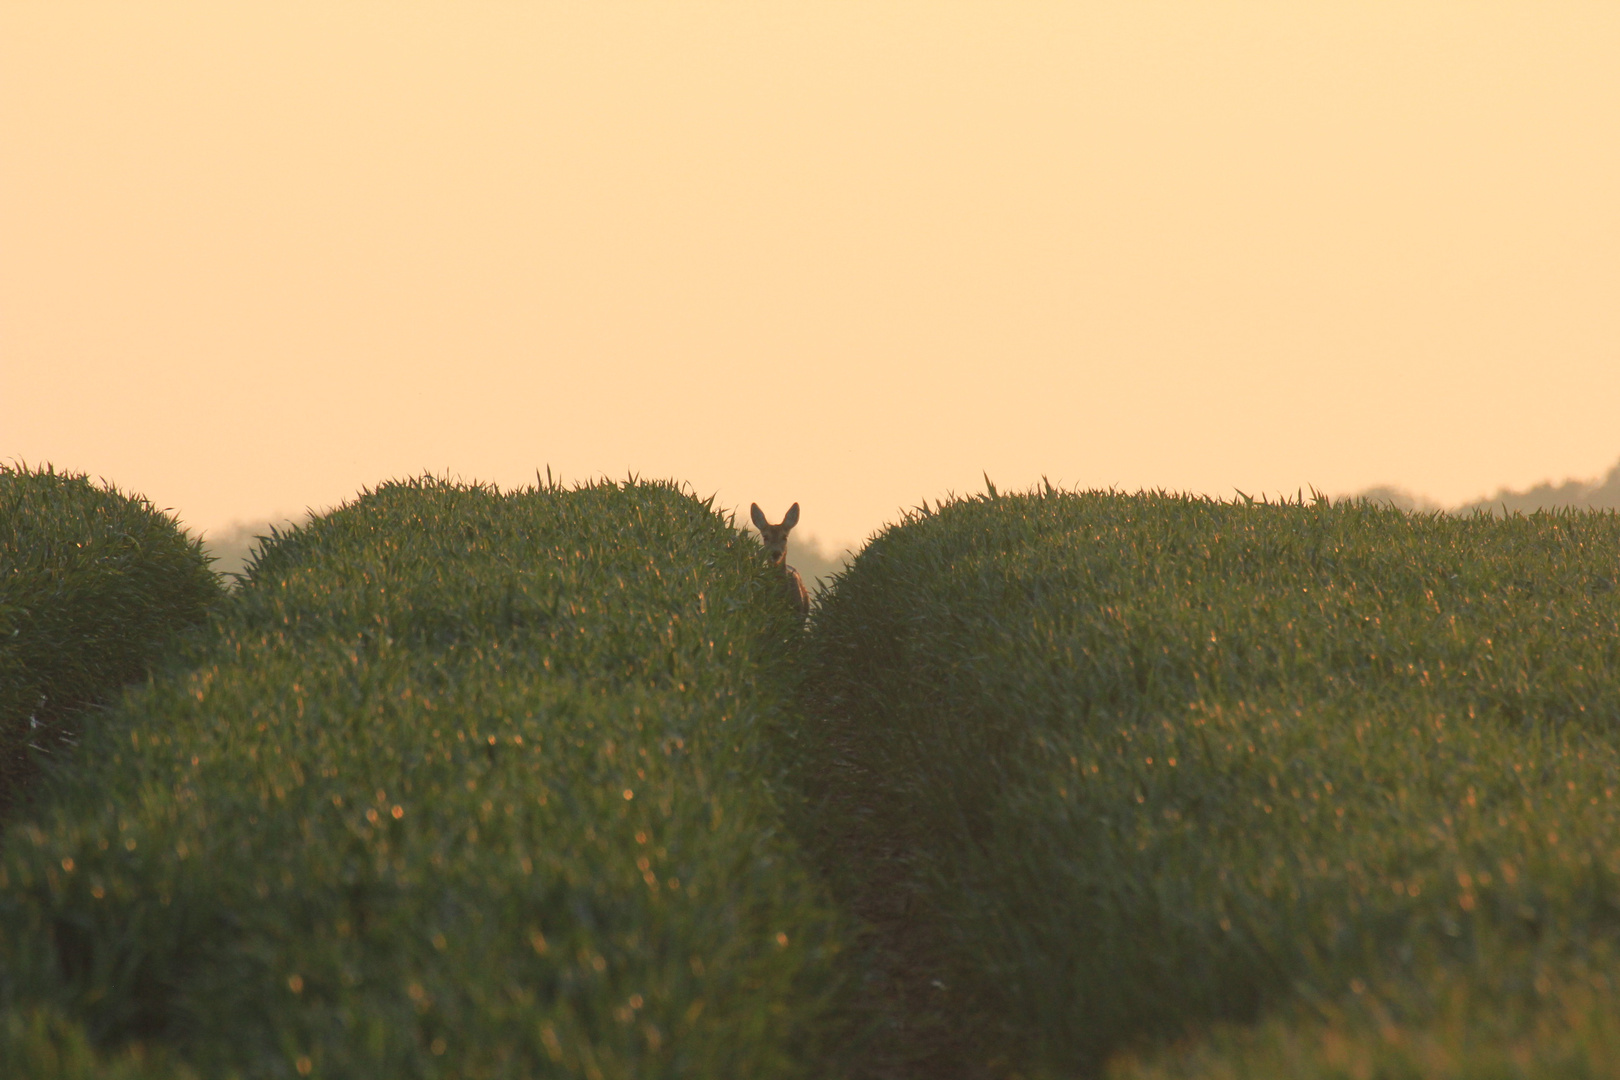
(257, 257)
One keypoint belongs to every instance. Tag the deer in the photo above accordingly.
(775, 538)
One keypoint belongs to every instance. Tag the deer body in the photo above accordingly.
(775, 539)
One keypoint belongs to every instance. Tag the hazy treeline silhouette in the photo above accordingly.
(1573, 494)
(234, 544)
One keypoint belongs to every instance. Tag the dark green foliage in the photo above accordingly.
(1164, 761)
(462, 784)
(93, 584)
(41, 1044)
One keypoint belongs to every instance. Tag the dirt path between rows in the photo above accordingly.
(911, 1021)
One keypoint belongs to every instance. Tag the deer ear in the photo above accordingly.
(792, 518)
(759, 517)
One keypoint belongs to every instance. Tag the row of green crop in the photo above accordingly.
(461, 784)
(93, 586)
(1163, 762)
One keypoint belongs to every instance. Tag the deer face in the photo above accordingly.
(775, 537)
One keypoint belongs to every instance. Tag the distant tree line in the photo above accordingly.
(1576, 494)
(232, 546)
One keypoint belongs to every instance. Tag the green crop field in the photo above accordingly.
(459, 784)
(467, 784)
(93, 586)
(1187, 788)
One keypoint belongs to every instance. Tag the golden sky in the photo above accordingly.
(257, 256)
